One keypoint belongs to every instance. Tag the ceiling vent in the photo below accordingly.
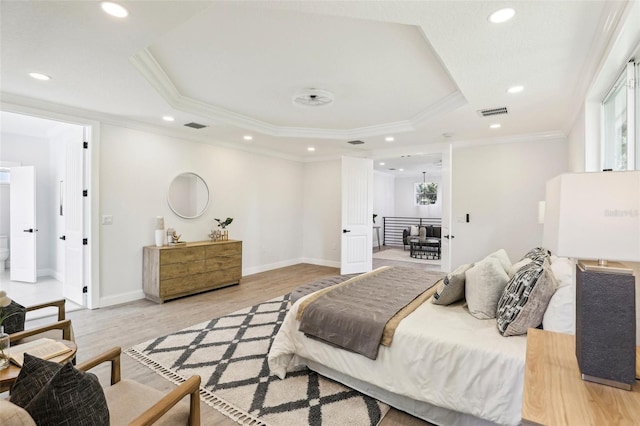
(195, 125)
(490, 112)
(392, 168)
(313, 98)
(356, 142)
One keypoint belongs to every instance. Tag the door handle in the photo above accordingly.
(63, 238)
(448, 236)
(28, 230)
(344, 231)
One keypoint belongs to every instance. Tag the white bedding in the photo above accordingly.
(440, 354)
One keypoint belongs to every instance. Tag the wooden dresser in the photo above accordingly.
(175, 271)
(555, 395)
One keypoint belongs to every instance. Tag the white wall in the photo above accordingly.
(263, 194)
(499, 186)
(576, 143)
(322, 200)
(384, 204)
(405, 197)
(32, 151)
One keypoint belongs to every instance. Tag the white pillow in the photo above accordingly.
(503, 257)
(516, 266)
(560, 315)
(484, 284)
(564, 270)
(414, 231)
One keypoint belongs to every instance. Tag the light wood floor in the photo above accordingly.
(131, 323)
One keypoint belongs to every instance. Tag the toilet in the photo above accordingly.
(4, 250)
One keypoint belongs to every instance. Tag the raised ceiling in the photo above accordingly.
(413, 70)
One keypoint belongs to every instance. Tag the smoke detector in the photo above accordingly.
(313, 98)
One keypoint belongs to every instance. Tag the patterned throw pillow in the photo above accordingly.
(525, 299)
(451, 288)
(33, 376)
(538, 255)
(71, 397)
(484, 284)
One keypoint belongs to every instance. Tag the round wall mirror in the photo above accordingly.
(188, 195)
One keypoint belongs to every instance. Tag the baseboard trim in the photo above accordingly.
(290, 262)
(270, 266)
(121, 298)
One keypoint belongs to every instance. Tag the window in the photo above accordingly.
(619, 122)
(426, 193)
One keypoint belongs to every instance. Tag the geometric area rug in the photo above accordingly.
(230, 355)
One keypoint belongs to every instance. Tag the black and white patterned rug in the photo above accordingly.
(230, 354)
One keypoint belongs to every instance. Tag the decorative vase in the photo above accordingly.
(159, 237)
(4, 349)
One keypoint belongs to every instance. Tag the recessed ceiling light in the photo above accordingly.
(114, 9)
(515, 89)
(168, 118)
(501, 15)
(381, 164)
(495, 126)
(39, 76)
(247, 137)
(402, 170)
(389, 139)
(311, 149)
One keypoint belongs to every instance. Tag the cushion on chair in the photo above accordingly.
(128, 399)
(71, 397)
(14, 415)
(15, 314)
(33, 376)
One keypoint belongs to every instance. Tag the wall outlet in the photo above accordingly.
(107, 219)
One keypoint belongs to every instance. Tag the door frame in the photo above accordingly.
(92, 157)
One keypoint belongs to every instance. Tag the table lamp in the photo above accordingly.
(595, 218)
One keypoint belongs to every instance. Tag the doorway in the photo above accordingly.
(44, 146)
(400, 201)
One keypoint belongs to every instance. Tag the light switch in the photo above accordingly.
(107, 219)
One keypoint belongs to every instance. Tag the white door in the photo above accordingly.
(357, 215)
(23, 230)
(73, 214)
(447, 223)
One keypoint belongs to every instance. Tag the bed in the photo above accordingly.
(443, 366)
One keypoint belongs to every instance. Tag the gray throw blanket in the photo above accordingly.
(353, 316)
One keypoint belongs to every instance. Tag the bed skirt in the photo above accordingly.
(423, 410)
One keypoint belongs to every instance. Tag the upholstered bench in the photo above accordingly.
(313, 286)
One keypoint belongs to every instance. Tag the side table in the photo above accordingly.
(10, 374)
(555, 394)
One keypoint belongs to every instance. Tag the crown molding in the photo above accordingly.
(153, 72)
(52, 111)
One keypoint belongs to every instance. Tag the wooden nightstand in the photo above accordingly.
(554, 394)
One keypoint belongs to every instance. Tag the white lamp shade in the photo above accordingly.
(593, 216)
